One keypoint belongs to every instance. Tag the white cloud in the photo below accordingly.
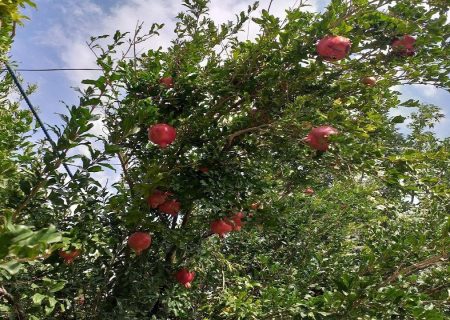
(83, 19)
(426, 90)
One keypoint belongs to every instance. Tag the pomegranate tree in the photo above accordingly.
(162, 134)
(404, 46)
(333, 48)
(184, 277)
(139, 241)
(317, 138)
(221, 227)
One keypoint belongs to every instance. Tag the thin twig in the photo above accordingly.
(124, 166)
(243, 131)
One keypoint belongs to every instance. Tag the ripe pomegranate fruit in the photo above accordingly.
(369, 81)
(317, 138)
(139, 241)
(404, 46)
(69, 256)
(221, 227)
(255, 205)
(237, 221)
(167, 82)
(162, 134)
(333, 48)
(80, 300)
(157, 198)
(171, 207)
(309, 191)
(203, 169)
(185, 277)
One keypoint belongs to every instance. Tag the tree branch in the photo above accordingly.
(417, 267)
(232, 136)
(124, 166)
(13, 302)
(28, 199)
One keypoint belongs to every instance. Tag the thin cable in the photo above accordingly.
(56, 69)
(38, 119)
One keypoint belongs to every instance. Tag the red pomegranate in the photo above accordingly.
(309, 191)
(369, 81)
(333, 48)
(185, 277)
(167, 82)
(237, 221)
(203, 169)
(69, 256)
(171, 207)
(157, 198)
(221, 227)
(162, 134)
(404, 46)
(139, 241)
(255, 205)
(80, 300)
(317, 138)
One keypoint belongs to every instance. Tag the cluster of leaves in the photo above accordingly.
(10, 10)
(371, 243)
(9, 16)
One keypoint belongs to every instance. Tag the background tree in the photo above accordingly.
(37, 200)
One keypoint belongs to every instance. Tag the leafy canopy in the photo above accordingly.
(370, 243)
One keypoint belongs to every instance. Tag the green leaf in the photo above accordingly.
(95, 169)
(398, 119)
(38, 298)
(12, 267)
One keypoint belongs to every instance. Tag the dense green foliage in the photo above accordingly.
(370, 243)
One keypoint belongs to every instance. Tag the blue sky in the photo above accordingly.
(58, 30)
